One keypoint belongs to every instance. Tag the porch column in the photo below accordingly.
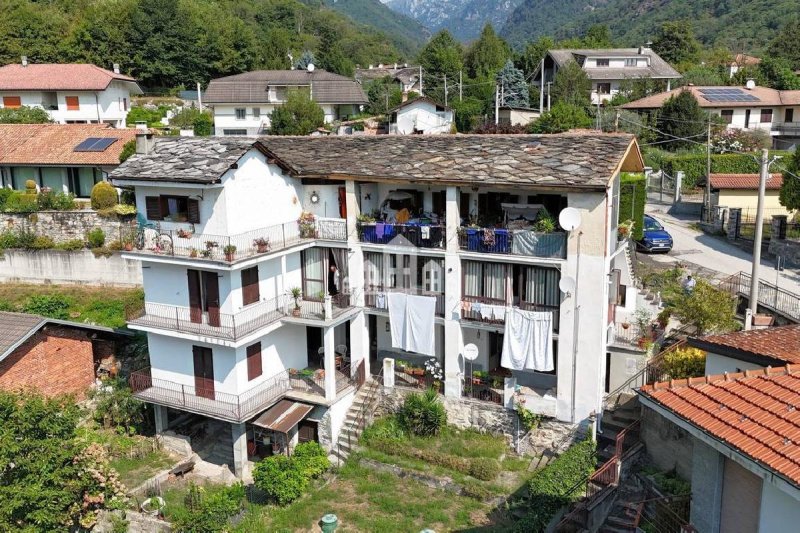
(329, 342)
(359, 342)
(162, 420)
(239, 441)
(353, 210)
(452, 298)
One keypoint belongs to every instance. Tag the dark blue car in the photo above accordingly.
(655, 238)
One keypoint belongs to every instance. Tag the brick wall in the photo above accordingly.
(55, 360)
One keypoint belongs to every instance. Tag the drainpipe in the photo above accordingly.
(97, 106)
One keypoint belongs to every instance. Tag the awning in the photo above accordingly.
(283, 416)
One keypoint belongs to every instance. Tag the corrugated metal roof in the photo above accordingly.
(283, 416)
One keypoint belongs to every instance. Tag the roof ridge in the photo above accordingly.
(711, 379)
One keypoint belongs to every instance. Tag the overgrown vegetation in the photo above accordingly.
(632, 199)
(684, 363)
(299, 115)
(284, 479)
(422, 414)
(668, 482)
(116, 406)
(206, 509)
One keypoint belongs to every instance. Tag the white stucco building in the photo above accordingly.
(70, 93)
(421, 115)
(231, 226)
(242, 103)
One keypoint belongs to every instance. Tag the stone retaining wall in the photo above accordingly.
(63, 226)
(62, 267)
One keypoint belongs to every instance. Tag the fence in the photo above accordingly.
(779, 300)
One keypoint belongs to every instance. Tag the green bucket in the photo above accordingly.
(329, 523)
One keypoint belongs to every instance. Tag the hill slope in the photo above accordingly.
(737, 24)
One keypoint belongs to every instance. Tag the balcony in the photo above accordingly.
(787, 128)
(513, 242)
(373, 300)
(230, 248)
(419, 235)
(309, 384)
(483, 311)
(235, 326)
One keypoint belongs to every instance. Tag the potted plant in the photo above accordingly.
(292, 371)
(192, 252)
(296, 294)
(261, 244)
(184, 233)
(401, 365)
(625, 229)
(625, 325)
(307, 225)
(229, 250)
(153, 505)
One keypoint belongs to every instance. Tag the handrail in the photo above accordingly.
(360, 417)
(769, 295)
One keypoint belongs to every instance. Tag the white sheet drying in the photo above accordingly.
(411, 322)
(528, 341)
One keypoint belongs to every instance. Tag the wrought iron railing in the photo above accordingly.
(504, 241)
(780, 300)
(373, 298)
(481, 391)
(477, 313)
(421, 236)
(421, 380)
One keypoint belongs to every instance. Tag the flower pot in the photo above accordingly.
(152, 506)
(262, 248)
(229, 257)
(625, 325)
(128, 247)
(296, 312)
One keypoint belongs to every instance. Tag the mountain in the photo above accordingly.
(463, 18)
(736, 24)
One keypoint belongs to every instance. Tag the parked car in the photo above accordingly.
(655, 238)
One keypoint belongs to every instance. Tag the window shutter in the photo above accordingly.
(253, 361)
(153, 207)
(250, 292)
(12, 102)
(73, 103)
(193, 206)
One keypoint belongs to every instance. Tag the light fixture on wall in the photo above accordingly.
(314, 197)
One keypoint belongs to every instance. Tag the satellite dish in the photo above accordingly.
(569, 218)
(470, 352)
(567, 285)
(310, 67)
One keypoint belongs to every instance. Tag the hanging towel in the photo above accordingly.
(380, 301)
(425, 232)
(476, 307)
(379, 229)
(528, 341)
(420, 314)
(486, 311)
(397, 318)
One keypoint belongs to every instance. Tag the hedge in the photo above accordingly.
(549, 485)
(694, 166)
(632, 197)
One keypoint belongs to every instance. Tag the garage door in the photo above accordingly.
(741, 499)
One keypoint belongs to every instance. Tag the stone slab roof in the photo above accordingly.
(58, 77)
(54, 144)
(777, 345)
(756, 413)
(251, 87)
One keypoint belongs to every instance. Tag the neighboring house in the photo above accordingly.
(407, 77)
(742, 61)
(420, 115)
(748, 108)
(606, 68)
(735, 438)
(749, 350)
(68, 158)
(741, 190)
(242, 103)
(517, 116)
(70, 93)
(51, 356)
(228, 241)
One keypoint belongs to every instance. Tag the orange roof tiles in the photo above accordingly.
(778, 343)
(54, 144)
(745, 181)
(756, 412)
(57, 77)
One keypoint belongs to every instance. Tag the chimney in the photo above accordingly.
(116, 68)
(24, 61)
(144, 141)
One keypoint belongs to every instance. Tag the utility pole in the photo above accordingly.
(708, 172)
(541, 88)
(549, 86)
(496, 104)
(199, 97)
(445, 90)
(420, 80)
(460, 72)
(762, 192)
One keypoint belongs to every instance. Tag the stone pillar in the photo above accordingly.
(708, 466)
(388, 373)
(353, 207)
(162, 419)
(779, 223)
(453, 373)
(329, 342)
(509, 387)
(734, 220)
(678, 185)
(359, 342)
(239, 441)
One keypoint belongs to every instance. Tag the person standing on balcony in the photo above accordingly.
(333, 290)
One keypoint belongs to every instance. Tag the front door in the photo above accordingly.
(307, 431)
(203, 372)
(203, 296)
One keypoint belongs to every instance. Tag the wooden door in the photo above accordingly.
(195, 296)
(211, 293)
(203, 372)
(342, 202)
(307, 431)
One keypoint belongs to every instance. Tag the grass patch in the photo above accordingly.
(135, 471)
(516, 464)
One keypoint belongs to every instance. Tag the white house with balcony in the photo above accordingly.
(242, 103)
(607, 68)
(281, 273)
(70, 93)
(420, 116)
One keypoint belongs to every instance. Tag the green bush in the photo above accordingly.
(386, 428)
(128, 149)
(49, 305)
(42, 242)
(104, 196)
(477, 491)
(311, 458)
(4, 194)
(684, 363)
(20, 202)
(632, 197)
(71, 245)
(207, 509)
(280, 478)
(694, 166)
(56, 201)
(423, 413)
(484, 468)
(96, 238)
(116, 405)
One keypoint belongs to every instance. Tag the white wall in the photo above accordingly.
(338, 414)
(719, 364)
(225, 117)
(169, 285)
(423, 116)
(58, 267)
(778, 510)
(172, 360)
(282, 349)
(328, 204)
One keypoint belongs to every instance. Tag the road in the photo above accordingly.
(714, 257)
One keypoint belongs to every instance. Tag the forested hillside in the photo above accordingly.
(165, 43)
(735, 24)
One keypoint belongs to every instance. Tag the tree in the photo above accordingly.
(704, 75)
(790, 190)
(24, 115)
(634, 88)
(571, 85)
(675, 42)
(440, 57)
(513, 87)
(468, 113)
(707, 308)
(777, 73)
(486, 55)
(383, 94)
(307, 58)
(194, 119)
(786, 44)
(531, 57)
(597, 36)
(681, 117)
(300, 115)
(562, 117)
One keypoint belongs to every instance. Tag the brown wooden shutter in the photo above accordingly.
(153, 207)
(203, 372)
(73, 103)
(12, 102)
(211, 283)
(195, 304)
(253, 361)
(250, 291)
(193, 206)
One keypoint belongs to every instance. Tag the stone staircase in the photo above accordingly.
(360, 411)
(625, 514)
(626, 412)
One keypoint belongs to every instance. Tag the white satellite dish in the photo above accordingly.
(310, 67)
(569, 218)
(567, 285)
(470, 352)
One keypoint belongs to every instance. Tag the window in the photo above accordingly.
(123, 104)
(250, 292)
(73, 103)
(81, 180)
(12, 102)
(747, 118)
(254, 361)
(766, 115)
(630, 62)
(19, 175)
(256, 112)
(241, 113)
(603, 88)
(53, 178)
(789, 115)
(602, 62)
(486, 280)
(173, 208)
(234, 132)
(313, 273)
(727, 115)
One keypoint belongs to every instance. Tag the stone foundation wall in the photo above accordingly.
(63, 225)
(62, 267)
(788, 250)
(668, 446)
(137, 522)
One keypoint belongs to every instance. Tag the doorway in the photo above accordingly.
(203, 372)
(314, 342)
(203, 296)
(308, 431)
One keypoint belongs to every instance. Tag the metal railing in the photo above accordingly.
(185, 243)
(372, 298)
(421, 236)
(473, 313)
(503, 241)
(779, 300)
(481, 391)
(666, 514)
(360, 421)
(418, 381)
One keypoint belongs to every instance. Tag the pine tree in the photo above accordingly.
(305, 60)
(513, 87)
(571, 85)
(487, 55)
(681, 117)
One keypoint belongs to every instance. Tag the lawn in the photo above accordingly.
(95, 305)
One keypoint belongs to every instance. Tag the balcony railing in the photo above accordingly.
(478, 313)
(373, 299)
(513, 242)
(421, 236)
(230, 248)
(787, 128)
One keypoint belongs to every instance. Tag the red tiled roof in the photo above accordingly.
(54, 144)
(745, 181)
(779, 343)
(766, 97)
(755, 412)
(57, 77)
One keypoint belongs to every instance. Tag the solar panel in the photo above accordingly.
(728, 94)
(95, 144)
